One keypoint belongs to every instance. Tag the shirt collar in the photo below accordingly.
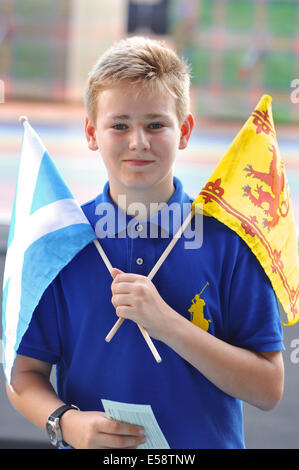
(169, 219)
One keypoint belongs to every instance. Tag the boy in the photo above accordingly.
(138, 115)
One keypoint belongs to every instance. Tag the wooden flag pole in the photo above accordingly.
(157, 266)
(143, 330)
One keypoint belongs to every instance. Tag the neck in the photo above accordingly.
(142, 203)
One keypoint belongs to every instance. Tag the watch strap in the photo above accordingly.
(61, 410)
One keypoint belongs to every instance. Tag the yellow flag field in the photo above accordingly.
(248, 191)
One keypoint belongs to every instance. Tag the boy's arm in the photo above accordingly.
(30, 379)
(35, 398)
(256, 378)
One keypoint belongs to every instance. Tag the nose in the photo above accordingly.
(138, 139)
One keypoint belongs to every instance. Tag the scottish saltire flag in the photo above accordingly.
(48, 228)
(249, 192)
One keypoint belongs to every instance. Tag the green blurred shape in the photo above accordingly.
(32, 59)
(231, 64)
(200, 61)
(172, 14)
(281, 113)
(47, 11)
(282, 17)
(205, 13)
(240, 14)
(278, 70)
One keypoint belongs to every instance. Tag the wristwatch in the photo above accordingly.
(53, 427)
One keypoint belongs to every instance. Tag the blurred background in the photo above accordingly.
(238, 49)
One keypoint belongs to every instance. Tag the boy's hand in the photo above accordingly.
(93, 430)
(135, 297)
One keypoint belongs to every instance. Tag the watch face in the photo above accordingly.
(52, 432)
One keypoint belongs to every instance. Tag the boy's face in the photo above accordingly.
(138, 136)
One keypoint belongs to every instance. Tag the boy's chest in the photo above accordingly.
(189, 281)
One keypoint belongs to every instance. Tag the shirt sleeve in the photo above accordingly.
(41, 339)
(254, 317)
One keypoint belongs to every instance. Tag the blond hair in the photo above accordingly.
(145, 62)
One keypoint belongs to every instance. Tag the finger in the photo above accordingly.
(121, 300)
(118, 441)
(115, 271)
(113, 426)
(121, 287)
(125, 311)
(127, 277)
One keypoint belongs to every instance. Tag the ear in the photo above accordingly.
(186, 130)
(90, 132)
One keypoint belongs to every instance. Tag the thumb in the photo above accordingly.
(115, 271)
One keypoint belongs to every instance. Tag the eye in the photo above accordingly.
(120, 127)
(155, 125)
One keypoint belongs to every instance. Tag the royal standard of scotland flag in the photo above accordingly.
(248, 191)
(48, 228)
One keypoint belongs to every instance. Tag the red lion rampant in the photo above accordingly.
(277, 183)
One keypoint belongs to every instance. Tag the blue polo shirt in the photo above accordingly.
(219, 286)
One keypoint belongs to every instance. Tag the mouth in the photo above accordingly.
(138, 162)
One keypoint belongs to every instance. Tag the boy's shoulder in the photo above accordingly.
(89, 210)
(88, 206)
(218, 231)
